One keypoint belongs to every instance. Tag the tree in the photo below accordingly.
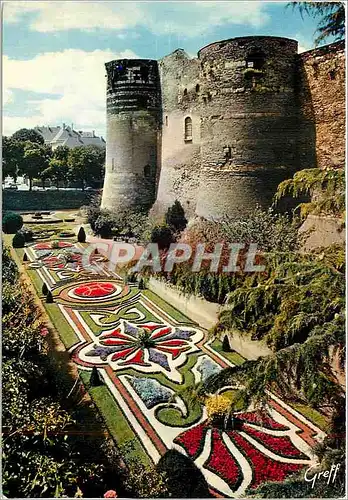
(18, 241)
(44, 289)
(49, 297)
(226, 344)
(25, 258)
(95, 379)
(57, 171)
(12, 222)
(12, 156)
(175, 217)
(35, 161)
(26, 134)
(163, 236)
(81, 237)
(86, 164)
(332, 18)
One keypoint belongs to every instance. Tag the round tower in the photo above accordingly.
(133, 111)
(250, 122)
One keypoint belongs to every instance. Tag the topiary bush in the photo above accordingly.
(25, 258)
(18, 240)
(95, 379)
(28, 234)
(184, 478)
(81, 236)
(44, 289)
(49, 297)
(163, 236)
(226, 344)
(11, 223)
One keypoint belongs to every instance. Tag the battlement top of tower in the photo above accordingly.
(130, 63)
(247, 39)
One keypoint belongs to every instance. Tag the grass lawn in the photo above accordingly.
(115, 420)
(311, 414)
(234, 357)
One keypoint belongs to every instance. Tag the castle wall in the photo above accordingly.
(322, 92)
(180, 157)
(250, 123)
(133, 131)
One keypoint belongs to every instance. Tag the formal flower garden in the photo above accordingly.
(146, 354)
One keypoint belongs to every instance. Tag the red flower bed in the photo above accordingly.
(42, 246)
(193, 440)
(262, 418)
(264, 468)
(222, 463)
(282, 445)
(95, 289)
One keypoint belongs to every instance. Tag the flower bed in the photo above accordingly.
(95, 289)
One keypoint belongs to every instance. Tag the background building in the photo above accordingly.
(67, 136)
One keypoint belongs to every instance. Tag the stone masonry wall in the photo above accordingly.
(180, 156)
(323, 101)
(133, 133)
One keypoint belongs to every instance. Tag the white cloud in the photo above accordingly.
(76, 80)
(189, 18)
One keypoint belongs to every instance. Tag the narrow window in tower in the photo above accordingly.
(197, 87)
(147, 171)
(255, 59)
(166, 120)
(188, 129)
(185, 91)
(113, 164)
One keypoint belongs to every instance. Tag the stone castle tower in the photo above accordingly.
(133, 131)
(219, 132)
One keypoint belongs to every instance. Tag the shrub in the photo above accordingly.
(175, 217)
(44, 289)
(103, 226)
(28, 234)
(184, 478)
(226, 344)
(11, 223)
(18, 240)
(95, 379)
(81, 237)
(217, 405)
(25, 258)
(49, 297)
(55, 244)
(141, 284)
(163, 236)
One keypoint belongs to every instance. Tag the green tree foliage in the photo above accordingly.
(226, 344)
(57, 171)
(18, 241)
(331, 18)
(35, 161)
(81, 236)
(86, 164)
(175, 217)
(12, 222)
(12, 156)
(25, 135)
(95, 379)
(44, 289)
(184, 478)
(325, 187)
(103, 225)
(49, 297)
(163, 236)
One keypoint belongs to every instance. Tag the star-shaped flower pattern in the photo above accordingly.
(149, 348)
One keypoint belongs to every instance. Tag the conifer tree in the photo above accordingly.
(49, 297)
(81, 236)
(95, 378)
(44, 289)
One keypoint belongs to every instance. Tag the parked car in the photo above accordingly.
(11, 186)
(52, 188)
(89, 188)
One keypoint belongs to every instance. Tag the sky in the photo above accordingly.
(54, 52)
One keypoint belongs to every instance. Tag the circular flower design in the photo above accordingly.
(94, 289)
(257, 450)
(149, 348)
